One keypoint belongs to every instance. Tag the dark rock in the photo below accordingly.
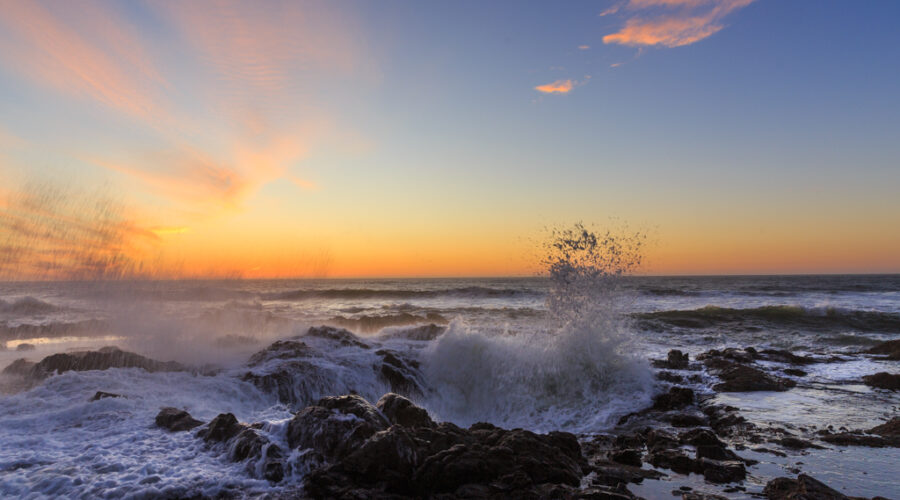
(891, 349)
(890, 428)
(852, 439)
(636, 441)
(700, 437)
(676, 360)
(782, 356)
(716, 471)
(716, 453)
(883, 380)
(21, 367)
(444, 461)
(281, 349)
(676, 398)
(700, 496)
(660, 440)
(244, 443)
(796, 443)
(725, 421)
(674, 460)
(401, 411)
(25, 347)
(103, 359)
(325, 428)
(100, 395)
(627, 457)
(339, 335)
(795, 372)
(741, 378)
(400, 373)
(174, 420)
(802, 488)
(687, 420)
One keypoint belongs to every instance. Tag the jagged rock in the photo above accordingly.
(100, 395)
(725, 420)
(442, 459)
(716, 453)
(883, 380)
(673, 378)
(700, 437)
(795, 372)
(401, 411)
(891, 349)
(103, 359)
(339, 335)
(400, 373)
(674, 460)
(244, 443)
(627, 457)
(802, 488)
(742, 378)
(693, 495)
(660, 440)
(676, 398)
(281, 349)
(174, 420)
(326, 428)
(675, 360)
(687, 420)
(724, 471)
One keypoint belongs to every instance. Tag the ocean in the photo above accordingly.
(515, 352)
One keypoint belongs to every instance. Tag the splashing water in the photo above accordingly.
(573, 371)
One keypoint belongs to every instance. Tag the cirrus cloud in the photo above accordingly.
(673, 23)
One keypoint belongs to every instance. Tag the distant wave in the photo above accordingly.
(665, 292)
(372, 324)
(26, 306)
(375, 293)
(91, 327)
(777, 316)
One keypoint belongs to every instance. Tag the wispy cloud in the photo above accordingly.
(584, 47)
(557, 87)
(672, 23)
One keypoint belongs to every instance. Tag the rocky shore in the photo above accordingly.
(343, 446)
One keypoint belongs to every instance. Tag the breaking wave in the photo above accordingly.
(26, 306)
(574, 373)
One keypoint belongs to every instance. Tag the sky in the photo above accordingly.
(211, 139)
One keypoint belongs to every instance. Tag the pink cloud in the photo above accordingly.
(673, 23)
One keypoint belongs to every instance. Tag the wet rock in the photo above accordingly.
(402, 374)
(281, 349)
(700, 437)
(21, 367)
(716, 453)
(675, 360)
(244, 443)
(101, 395)
(335, 426)
(627, 457)
(444, 460)
(741, 378)
(790, 358)
(883, 380)
(716, 471)
(103, 359)
(674, 460)
(795, 443)
(687, 420)
(25, 347)
(173, 419)
(289, 381)
(715, 358)
(854, 439)
(700, 496)
(890, 428)
(891, 349)
(725, 420)
(676, 398)
(802, 488)
(401, 411)
(660, 440)
(795, 372)
(339, 335)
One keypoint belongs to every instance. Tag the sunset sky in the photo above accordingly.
(389, 138)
